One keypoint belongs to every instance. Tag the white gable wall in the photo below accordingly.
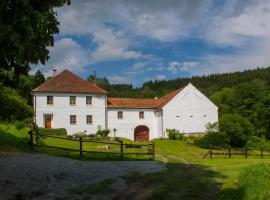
(61, 111)
(125, 127)
(189, 111)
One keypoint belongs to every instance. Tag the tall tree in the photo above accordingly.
(27, 27)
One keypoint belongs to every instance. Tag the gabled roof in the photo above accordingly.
(68, 82)
(142, 103)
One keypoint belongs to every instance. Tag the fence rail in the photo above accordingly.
(124, 149)
(229, 152)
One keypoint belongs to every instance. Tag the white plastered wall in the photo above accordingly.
(61, 111)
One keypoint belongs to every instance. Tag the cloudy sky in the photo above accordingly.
(133, 41)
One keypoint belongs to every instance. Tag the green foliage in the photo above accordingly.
(55, 131)
(174, 134)
(13, 106)
(103, 133)
(236, 128)
(19, 124)
(27, 29)
(254, 182)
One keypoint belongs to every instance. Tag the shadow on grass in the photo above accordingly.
(179, 181)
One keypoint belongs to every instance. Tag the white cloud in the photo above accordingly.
(66, 54)
(159, 19)
(176, 66)
(120, 79)
(112, 46)
(160, 77)
(138, 66)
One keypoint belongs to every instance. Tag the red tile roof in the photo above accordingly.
(68, 82)
(141, 103)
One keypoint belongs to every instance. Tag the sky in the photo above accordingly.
(134, 41)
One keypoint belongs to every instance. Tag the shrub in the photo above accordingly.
(236, 128)
(13, 106)
(103, 133)
(55, 131)
(257, 143)
(174, 134)
(214, 139)
(19, 124)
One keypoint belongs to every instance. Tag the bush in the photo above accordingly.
(19, 124)
(103, 133)
(214, 140)
(236, 128)
(55, 131)
(13, 106)
(174, 134)
(257, 143)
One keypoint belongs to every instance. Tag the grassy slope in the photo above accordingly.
(188, 175)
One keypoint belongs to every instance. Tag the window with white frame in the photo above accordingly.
(120, 114)
(89, 119)
(72, 119)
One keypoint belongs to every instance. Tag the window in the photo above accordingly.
(72, 100)
(72, 119)
(141, 115)
(88, 100)
(89, 119)
(49, 100)
(120, 114)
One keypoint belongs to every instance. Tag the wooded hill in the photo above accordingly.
(208, 84)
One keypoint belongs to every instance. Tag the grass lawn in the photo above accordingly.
(188, 176)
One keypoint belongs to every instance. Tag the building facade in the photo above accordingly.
(67, 101)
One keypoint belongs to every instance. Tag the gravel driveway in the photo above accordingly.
(40, 176)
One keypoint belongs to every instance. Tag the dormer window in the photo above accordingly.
(49, 100)
(88, 100)
(72, 100)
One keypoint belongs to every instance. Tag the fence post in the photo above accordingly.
(121, 150)
(153, 149)
(246, 152)
(81, 148)
(30, 142)
(230, 152)
(261, 153)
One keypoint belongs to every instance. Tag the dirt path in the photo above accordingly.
(39, 176)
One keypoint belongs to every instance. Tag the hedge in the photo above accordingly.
(55, 131)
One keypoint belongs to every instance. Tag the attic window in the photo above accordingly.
(204, 115)
(191, 116)
(177, 116)
(88, 100)
(141, 115)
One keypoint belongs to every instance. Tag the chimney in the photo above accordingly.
(54, 72)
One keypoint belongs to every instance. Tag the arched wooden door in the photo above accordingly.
(141, 133)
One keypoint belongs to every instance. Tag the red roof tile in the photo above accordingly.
(141, 103)
(68, 82)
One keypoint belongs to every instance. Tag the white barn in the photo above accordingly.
(67, 101)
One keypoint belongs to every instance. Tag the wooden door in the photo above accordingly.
(48, 121)
(141, 133)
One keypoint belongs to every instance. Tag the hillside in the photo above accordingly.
(208, 84)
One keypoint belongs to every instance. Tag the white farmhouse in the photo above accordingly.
(67, 101)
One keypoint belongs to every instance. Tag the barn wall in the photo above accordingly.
(125, 127)
(61, 111)
(189, 111)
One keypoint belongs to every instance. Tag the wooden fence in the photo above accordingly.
(230, 152)
(122, 149)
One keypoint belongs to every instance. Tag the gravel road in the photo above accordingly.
(26, 176)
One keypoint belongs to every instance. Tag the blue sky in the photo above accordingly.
(133, 41)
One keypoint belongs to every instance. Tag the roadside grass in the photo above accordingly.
(12, 138)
